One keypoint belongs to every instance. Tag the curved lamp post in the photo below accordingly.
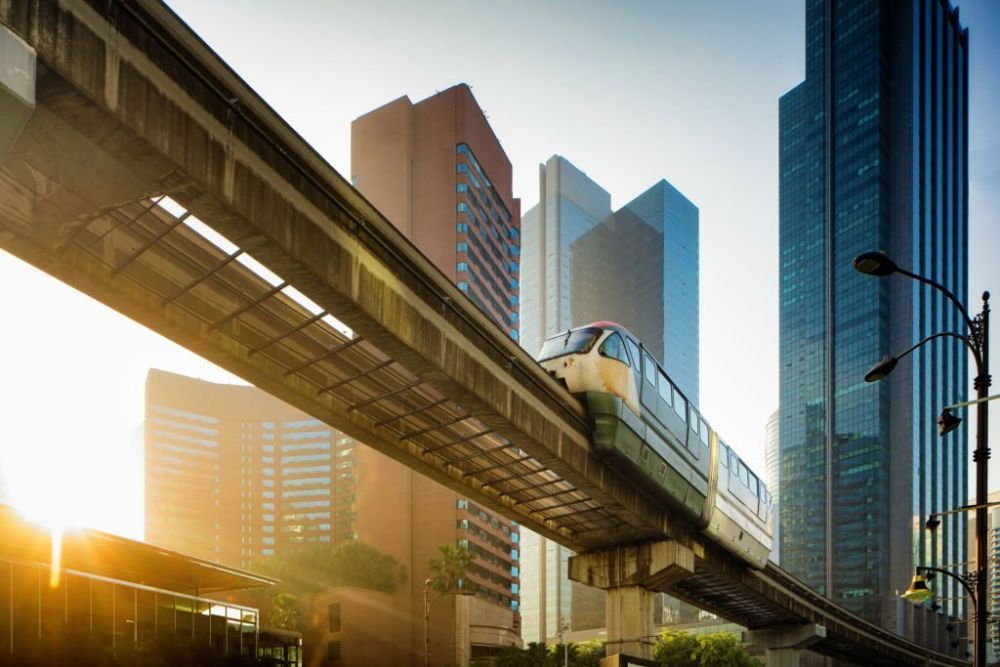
(428, 601)
(977, 340)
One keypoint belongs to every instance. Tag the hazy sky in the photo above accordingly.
(630, 92)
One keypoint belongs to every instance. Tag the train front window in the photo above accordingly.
(613, 348)
(580, 341)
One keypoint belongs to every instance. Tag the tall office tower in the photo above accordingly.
(583, 262)
(235, 475)
(437, 171)
(640, 268)
(570, 205)
(772, 462)
(873, 154)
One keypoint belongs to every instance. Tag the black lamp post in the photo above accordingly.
(977, 340)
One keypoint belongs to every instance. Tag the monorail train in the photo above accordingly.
(644, 425)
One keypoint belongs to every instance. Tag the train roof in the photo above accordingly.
(603, 325)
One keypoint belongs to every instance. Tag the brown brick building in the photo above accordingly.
(439, 174)
(437, 171)
(234, 475)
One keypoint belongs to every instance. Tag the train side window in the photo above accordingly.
(613, 348)
(664, 387)
(744, 474)
(680, 407)
(753, 485)
(693, 418)
(703, 431)
(650, 370)
(723, 454)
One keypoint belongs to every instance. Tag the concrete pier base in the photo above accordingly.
(629, 575)
(783, 645)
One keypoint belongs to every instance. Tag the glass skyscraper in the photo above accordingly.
(639, 268)
(872, 157)
(581, 263)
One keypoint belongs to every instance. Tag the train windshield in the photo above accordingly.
(571, 342)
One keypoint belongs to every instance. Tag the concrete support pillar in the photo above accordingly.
(628, 616)
(629, 575)
(17, 87)
(783, 645)
(463, 647)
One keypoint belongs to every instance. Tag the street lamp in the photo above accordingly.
(977, 340)
(428, 601)
(563, 629)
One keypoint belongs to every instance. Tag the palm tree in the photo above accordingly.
(449, 574)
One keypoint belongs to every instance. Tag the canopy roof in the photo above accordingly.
(116, 557)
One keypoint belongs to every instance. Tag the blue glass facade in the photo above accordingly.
(640, 268)
(872, 156)
(674, 260)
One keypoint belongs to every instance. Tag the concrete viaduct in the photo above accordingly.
(138, 168)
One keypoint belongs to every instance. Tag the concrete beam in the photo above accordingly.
(783, 645)
(653, 565)
(125, 118)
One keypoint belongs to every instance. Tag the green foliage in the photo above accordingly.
(451, 569)
(675, 648)
(319, 567)
(284, 612)
(585, 654)
(588, 653)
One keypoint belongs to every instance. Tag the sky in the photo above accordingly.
(629, 92)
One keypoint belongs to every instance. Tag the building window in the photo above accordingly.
(334, 610)
(462, 266)
(462, 247)
(333, 651)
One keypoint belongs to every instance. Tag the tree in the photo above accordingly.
(284, 612)
(724, 649)
(675, 648)
(313, 568)
(588, 653)
(450, 572)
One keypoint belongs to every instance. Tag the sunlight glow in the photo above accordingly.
(56, 563)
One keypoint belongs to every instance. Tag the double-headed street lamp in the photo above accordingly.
(977, 340)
